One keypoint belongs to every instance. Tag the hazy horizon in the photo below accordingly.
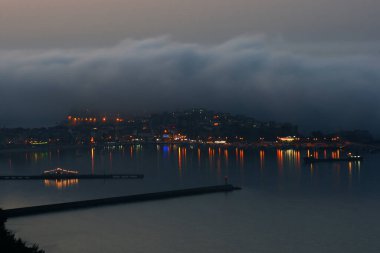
(312, 63)
(54, 24)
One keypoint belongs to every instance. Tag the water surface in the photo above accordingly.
(285, 205)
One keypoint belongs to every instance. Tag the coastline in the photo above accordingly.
(11, 244)
(262, 145)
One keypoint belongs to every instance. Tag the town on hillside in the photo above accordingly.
(195, 126)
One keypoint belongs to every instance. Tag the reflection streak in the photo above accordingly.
(262, 159)
(61, 183)
(280, 160)
(179, 161)
(92, 160)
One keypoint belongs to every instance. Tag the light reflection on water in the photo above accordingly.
(61, 183)
(92, 160)
(221, 161)
(279, 191)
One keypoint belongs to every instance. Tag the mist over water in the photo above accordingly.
(314, 87)
(314, 64)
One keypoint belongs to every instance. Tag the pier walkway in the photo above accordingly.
(35, 210)
(72, 176)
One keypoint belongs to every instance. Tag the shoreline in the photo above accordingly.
(262, 146)
(10, 243)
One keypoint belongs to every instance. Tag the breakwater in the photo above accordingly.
(35, 210)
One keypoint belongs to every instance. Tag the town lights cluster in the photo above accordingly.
(74, 120)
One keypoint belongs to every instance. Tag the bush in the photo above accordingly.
(9, 243)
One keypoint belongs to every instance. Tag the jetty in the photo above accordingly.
(71, 176)
(35, 210)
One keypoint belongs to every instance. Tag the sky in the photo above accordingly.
(312, 63)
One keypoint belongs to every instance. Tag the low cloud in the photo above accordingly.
(248, 75)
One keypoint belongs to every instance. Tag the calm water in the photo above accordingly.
(285, 205)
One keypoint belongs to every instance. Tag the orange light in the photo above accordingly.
(69, 117)
(104, 119)
(286, 139)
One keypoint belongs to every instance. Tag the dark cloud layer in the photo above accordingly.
(247, 75)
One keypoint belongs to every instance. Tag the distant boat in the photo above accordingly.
(349, 158)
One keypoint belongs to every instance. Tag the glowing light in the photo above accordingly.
(280, 160)
(59, 171)
(166, 149)
(210, 157)
(350, 172)
(241, 155)
(298, 159)
(311, 169)
(262, 158)
(38, 142)
(92, 160)
(61, 183)
(288, 138)
(226, 156)
(179, 161)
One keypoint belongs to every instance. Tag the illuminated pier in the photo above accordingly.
(70, 176)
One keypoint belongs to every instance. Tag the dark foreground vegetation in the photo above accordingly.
(10, 244)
